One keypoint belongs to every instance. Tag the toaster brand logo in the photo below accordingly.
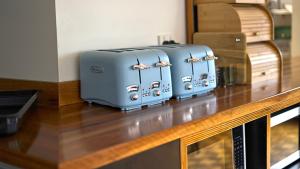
(97, 69)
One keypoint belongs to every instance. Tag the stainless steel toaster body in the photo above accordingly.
(193, 69)
(125, 78)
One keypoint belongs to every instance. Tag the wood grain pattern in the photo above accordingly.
(254, 62)
(90, 136)
(265, 62)
(268, 141)
(191, 14)
(189, 7)
(51, 93)
(69, 93)
(48, 91)
(183, 154)
(230, 41)
(254, 21)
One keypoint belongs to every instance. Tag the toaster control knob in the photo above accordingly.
(205, 83)
(156, 93)
(134, 97)
(189, 86)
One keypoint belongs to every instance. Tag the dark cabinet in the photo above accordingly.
(163, 157)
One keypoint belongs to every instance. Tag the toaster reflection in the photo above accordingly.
(207, 106)
(151, 122)
(30, 140)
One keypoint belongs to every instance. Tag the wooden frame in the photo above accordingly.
(202, 135)
(238, 54)
(191, 18)
(56, 94)
(269, 141)
(252, 133)
(224, 137)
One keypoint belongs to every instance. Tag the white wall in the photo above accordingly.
(28, 41)
(296, 28)
(102, 24)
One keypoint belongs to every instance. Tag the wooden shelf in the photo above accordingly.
(82, 136)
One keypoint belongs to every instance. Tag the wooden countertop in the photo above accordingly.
(82, 136)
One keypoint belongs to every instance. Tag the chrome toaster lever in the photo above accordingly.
(140, 67)
(193, 60)
(163, 64)
(210, 57)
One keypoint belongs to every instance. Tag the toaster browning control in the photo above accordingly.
(188, 86)
(134, 97)
(156, 93)
(166, 89)
(205, 83)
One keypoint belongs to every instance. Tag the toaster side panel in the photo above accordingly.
(107, 79)
(96, 84)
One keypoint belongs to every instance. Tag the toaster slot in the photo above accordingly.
(131, 81)
(148, 78)
(188, 80)
(200, 70)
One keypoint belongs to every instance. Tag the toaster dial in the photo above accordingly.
(134, 97)
(156, 93)
(188, 86)
(205, 83)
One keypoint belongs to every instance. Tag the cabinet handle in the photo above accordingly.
(255, 33)
(263, 73)
(264, 87)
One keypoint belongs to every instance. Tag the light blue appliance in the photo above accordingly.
(193, 69)
(125, 78)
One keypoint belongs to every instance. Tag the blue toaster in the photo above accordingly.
(125, 78)
(193, 69)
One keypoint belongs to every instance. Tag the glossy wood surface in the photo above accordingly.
(48, 91)
(51, 93)
(69, 92)
(90, 136)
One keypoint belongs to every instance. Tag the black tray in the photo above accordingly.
(13, 106)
